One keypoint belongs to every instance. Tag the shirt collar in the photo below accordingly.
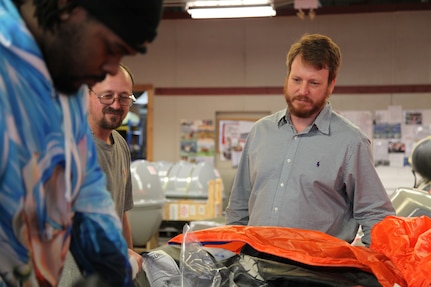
(321, 122)
(282, 119)
(324, 118)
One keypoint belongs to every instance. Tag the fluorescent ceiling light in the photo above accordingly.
(230, 9)
(231, 12)
(223, 3)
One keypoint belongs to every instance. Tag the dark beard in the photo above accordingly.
(305, 113)
(107, 123)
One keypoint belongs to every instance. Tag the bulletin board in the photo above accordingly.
(197, 141)
(231, 133)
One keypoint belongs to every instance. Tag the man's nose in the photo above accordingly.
(116, 103)
(303, 88)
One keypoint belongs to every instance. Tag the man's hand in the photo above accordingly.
(137, 258)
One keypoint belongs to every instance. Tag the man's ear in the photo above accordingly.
(285, 83)
(331, 86)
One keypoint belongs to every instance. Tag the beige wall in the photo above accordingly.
(378, 49)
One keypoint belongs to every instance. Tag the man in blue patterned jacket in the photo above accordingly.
(52, 192)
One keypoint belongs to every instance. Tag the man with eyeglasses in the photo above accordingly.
(109, 103)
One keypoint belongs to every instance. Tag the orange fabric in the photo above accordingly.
(305, 246)
(407, 241)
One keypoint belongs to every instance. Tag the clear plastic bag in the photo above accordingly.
(197, 265)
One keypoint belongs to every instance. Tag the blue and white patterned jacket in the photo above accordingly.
(52, 190)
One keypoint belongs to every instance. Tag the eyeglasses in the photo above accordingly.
(108, 98)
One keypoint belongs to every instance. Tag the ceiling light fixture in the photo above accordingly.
(300, 14)
(311, 5)
(205, 9)
(312, 14)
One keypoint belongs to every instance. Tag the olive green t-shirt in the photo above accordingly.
(115, 162)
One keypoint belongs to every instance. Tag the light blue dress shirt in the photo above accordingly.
(322, 178)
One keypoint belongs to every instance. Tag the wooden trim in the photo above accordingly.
(150, 110)
(384, 89)
(218, 91)
(247, 91)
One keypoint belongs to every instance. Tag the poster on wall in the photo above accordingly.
(197, 142)
(232, 137)
(413, 118)
(395, 133)
(389, 145)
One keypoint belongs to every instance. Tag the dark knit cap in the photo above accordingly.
(135, 21)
